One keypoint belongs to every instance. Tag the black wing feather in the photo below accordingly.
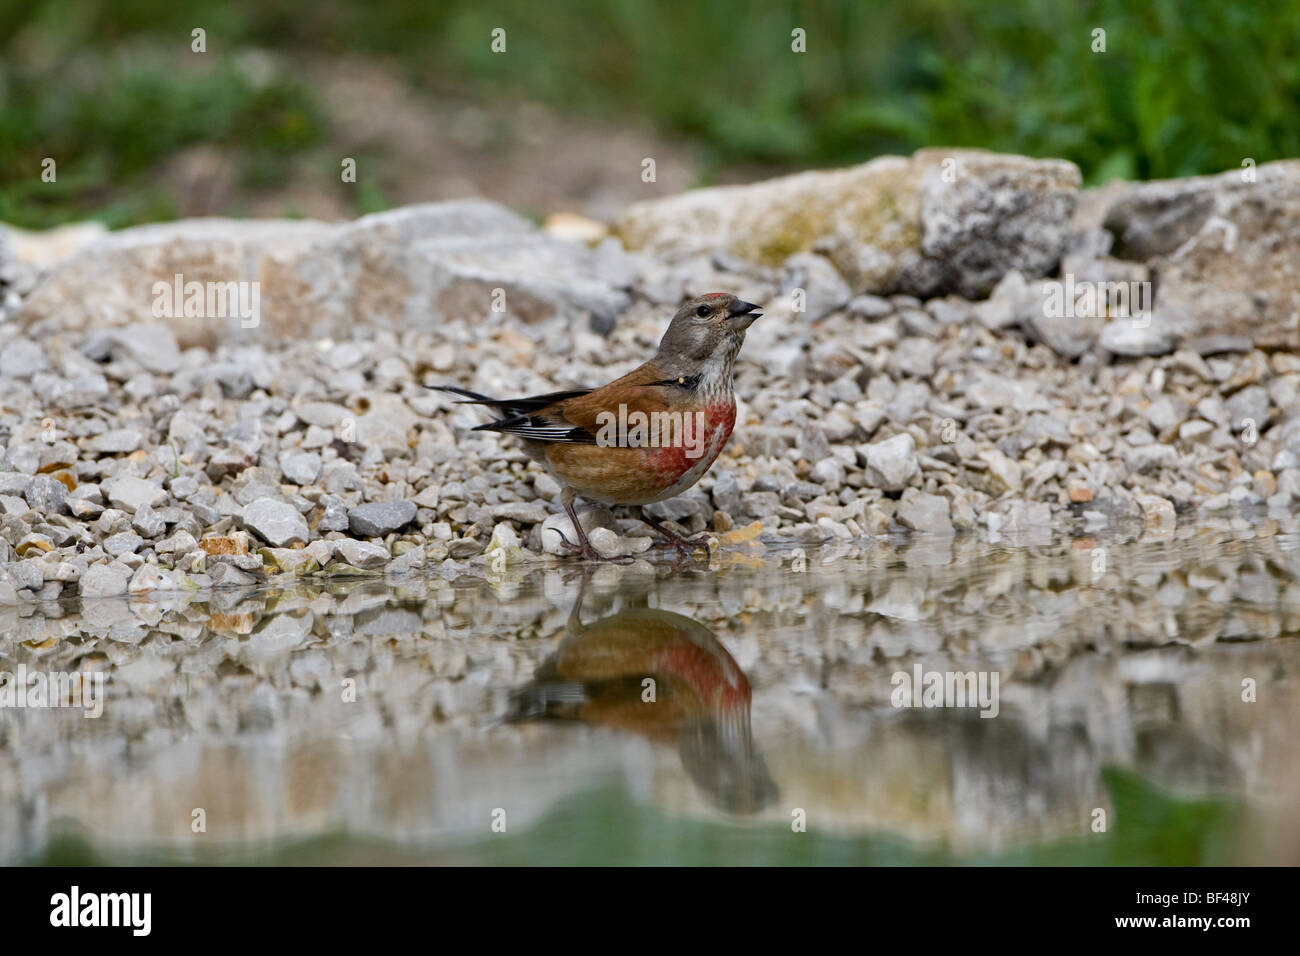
(513, 406)
(519, 421)
(540, 429)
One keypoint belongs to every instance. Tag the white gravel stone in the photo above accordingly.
(374, 519)
(275, 521)
(119, 441)
(101, 580)
(122, 543)
(129, 493)
(928, 513)
(301, 468)
(362, 554)
(891, 464)
(606, 542)
(558, 528)
(1006, 471)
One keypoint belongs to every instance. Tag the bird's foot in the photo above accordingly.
(669, 538)
(685, 546)
(584, 548)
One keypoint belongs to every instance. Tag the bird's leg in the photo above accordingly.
(672, 538)
(583, 546)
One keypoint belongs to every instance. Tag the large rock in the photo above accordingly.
(1226, 254)
(45, 248)
(941, 221)
(406, 268)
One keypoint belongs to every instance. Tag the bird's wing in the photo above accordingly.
(532, 417)
(644, 389)
(575, 416)
(540, 428)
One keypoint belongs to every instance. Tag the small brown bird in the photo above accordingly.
(644, 437)
(597, 675)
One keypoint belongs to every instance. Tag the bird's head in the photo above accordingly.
(708, 328)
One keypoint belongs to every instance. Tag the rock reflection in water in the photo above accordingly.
(663, 676)
(232, 701)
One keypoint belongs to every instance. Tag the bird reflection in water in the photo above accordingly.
(601, 674)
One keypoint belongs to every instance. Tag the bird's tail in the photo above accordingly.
(511, 407)
(545, 699)
(467, 397)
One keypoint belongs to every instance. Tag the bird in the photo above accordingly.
(599, 674)
(645, 437)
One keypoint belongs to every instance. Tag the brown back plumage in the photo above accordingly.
(702, 338)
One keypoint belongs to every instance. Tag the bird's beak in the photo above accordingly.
(742, 314)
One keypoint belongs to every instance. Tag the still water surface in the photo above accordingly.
(1141, 702)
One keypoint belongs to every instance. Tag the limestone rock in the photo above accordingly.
(1227, 253)
(892, 463)
(363, 554)
(374, 519)
(100, 580)
(412, 267)
(928, 513)
(941, 221)
(130, 493)
(276, 522)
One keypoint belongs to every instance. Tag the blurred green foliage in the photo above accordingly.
(1182, 88)
(108, 136)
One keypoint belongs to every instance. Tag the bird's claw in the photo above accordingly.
(588, 552)
(667, 537)
(685, 546)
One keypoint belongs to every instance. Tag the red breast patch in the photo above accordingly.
(671, 461)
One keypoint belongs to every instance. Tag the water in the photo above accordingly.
(740, 712)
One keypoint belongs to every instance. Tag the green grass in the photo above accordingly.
(1183, 88)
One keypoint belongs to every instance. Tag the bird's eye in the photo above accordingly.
(702, 311)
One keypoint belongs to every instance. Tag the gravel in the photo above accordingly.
(275, 521)
(46, 495)
(928, 513)
(891, 464)
(861, 415)
(130, 493)
(100, 580)
(363, 554)
(378, 518)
